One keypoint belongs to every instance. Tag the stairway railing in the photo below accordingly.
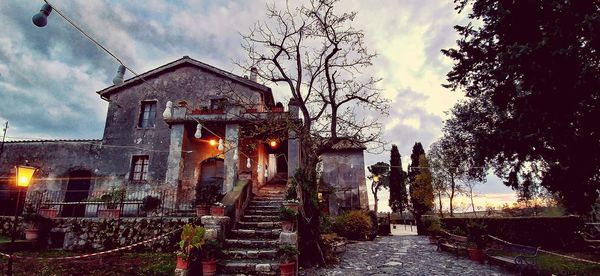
(237, 200)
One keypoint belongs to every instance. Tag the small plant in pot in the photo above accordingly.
(287, 260)
(150, 204)
(211, 252)
(112, 199)
(288, 219)
(192, 238)
(476, 237)
(206, 195)
(34, 221)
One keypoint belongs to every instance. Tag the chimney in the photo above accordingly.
(253, 73)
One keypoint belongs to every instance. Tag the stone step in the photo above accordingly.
(249, 267)
(263, 198)
(260, 218)
(262, 212)
(277, 203)
(245, 253)
(259, 224)
(256, 233)
(251, 243)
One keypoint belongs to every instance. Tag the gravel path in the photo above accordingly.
(402, 255)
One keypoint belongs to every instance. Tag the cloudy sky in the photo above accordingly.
(49, 76)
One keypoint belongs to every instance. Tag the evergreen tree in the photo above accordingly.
(380, 175)
(421, 189)
(398, 195)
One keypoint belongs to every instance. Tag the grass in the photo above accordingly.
(4, 239)
(114, 264)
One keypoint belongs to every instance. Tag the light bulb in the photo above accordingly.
(198, 133)
(167, 113)
(258, 169)
(248, 165)
(235, 154)
(40, 19)
(120, 74)
(220, 147)
(266, 173)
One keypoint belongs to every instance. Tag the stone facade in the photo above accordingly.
(343, 185)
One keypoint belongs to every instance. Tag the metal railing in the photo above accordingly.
(84, 203)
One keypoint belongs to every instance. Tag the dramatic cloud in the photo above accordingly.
(49, 76)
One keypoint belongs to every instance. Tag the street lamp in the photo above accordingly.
(23, 177)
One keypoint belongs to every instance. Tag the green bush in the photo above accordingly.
(355, 225)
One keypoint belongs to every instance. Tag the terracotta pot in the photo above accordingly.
(109, 213)
(287, 226)
(31, 234)
(202, 210)
(182, 264)
(288, 269)
(292, 205)
(47, 212)
(476, 254)
(209, 268)
(217, 211)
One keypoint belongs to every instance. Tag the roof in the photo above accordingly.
(347, 144)
(52, 140)
(186, 60)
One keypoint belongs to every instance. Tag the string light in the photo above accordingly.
(248, 165)
(167, 114)
(220, 146)
(119, 78)
(40, 19)
(198, 133)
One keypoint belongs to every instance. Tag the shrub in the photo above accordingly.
(476, 234)
(150, 203)
(287, 254)
(354, 225)
(207, 193)
(211, 250)
(287, 214)
(434, 226)
(547, 232)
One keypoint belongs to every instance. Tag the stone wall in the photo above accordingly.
(101, 234)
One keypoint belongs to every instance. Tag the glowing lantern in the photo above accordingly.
(24, 175)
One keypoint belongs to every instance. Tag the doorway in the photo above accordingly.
(77, 191)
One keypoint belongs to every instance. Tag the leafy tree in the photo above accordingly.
(530, 71)
(380, 175)
(420, 188)
(398, 195)
(314, 51)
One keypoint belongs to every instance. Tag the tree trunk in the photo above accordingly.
(440, 201)
(451, 195)
(376, 200)
(473, 204)
(420, 227)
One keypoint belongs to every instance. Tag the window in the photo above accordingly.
(139, 168)
(147, 115)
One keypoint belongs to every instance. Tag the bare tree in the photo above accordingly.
(447, 167)
(319, 56)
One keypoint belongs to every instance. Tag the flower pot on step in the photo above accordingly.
(288, 269)
(292, 205)
(182, 264)
(31, 234)
(209, 268)
(287, 226)
(202, 210)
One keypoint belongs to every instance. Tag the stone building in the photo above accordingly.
(167, 131)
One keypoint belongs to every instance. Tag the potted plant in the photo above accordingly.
(111, 200)
(192, 238)
(217, 209)
(287, 260)
(34, 222)
(476, 233)
(211, 251)
(150, 204)
(206, 195)
(434, 230)
(288, 218)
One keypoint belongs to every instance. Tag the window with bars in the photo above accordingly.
(139, 168)
(147, 114)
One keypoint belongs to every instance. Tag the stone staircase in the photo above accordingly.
(251, 248)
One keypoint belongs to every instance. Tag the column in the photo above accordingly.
(232, 132)
(293, 155)
(175, 162)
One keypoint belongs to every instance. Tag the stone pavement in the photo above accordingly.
(402, 255)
